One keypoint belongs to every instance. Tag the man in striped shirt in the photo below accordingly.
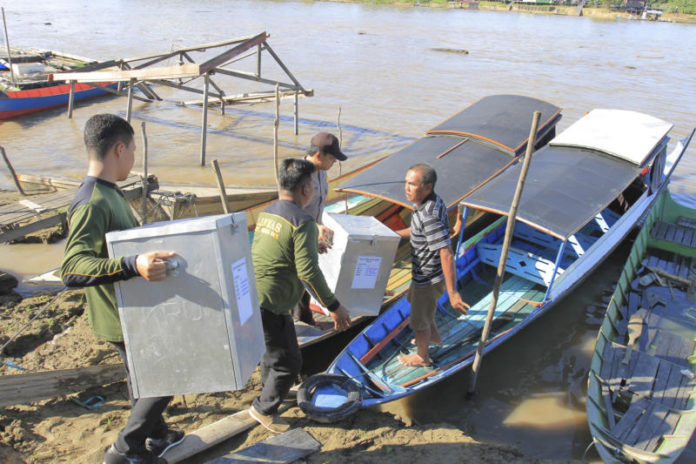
(432, 261)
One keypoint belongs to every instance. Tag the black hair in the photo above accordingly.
(428, 174)
(103, 131)
(294, 173)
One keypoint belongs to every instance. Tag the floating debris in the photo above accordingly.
(456, 51)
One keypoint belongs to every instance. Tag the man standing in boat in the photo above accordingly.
(286, 261)
(323, 152)
(432, 261)
(99, 207)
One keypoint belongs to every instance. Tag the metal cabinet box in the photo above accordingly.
(358, 265)
(199, 330)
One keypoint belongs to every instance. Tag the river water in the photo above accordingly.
(377, 64)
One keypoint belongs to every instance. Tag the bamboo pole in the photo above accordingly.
(503, 254)
(7, 44)
(144, 179)
(221, 185)
(71, 99)
(276, 123)
(12, 171)
(204, 122)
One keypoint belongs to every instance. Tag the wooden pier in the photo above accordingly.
(33, 213)
(143, 71)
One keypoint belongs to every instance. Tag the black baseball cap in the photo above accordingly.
(328, 143)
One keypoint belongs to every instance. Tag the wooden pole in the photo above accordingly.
(258, 60)
(204, 122)
(340, 143)
(276, 123)
(296, 107)
(144, 179)
(130, 100)
(7, 44)
(503, 254)
(12, 171)
(71, 99)
(221, 186)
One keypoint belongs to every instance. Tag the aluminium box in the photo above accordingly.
(358, 264)
(199, 330)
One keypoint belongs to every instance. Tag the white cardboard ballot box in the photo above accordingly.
(358, 265)
(199, 330)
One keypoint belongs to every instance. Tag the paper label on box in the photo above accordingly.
(366, 270)
(241, 290)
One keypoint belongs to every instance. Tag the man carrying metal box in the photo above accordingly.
(285, 256)
(100, 207)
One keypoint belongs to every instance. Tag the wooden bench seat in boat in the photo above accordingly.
(675, 233)
(519, 262)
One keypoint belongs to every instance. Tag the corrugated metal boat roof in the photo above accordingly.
(463, 158)
(566, 186)
(625, 134)
(503, 120)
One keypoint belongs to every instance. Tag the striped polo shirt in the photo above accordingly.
(429, 234)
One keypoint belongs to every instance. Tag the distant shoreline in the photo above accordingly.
(561, 10)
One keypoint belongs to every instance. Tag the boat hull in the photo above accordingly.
(29, 101)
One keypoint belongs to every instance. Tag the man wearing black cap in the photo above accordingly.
(323, 152)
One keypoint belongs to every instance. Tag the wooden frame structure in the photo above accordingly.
(141, 71)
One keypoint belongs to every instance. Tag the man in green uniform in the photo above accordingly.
(99, 207)
(285, 256)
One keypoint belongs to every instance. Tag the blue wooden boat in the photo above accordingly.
(479, 142)
(584, 192)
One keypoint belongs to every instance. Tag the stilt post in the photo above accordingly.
(71, 99)
(130, 100)
(144, 179)
(204, 122)
(276, 123)
(296, 121)
(503, 254)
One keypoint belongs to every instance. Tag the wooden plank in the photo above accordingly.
(630, 418)
(672, 388)
(116, 75)
(631, 436)
(19, 232)
(661, 381)
(212, 434)
(642, 373)
(25, 388)
(229, 54)
(280, 449)
(655, 427)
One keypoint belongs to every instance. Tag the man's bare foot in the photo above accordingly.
(413, 360)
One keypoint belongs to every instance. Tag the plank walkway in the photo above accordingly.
(36, 212)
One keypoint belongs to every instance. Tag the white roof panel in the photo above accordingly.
(628, 135)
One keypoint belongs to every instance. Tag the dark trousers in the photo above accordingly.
(280, 364)
(145, 420)
(301, 311)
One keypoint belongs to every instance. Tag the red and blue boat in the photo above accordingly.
(27, 89)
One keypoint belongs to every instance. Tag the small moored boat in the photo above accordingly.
(642, 380)
(584, 192)
(26, 88)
